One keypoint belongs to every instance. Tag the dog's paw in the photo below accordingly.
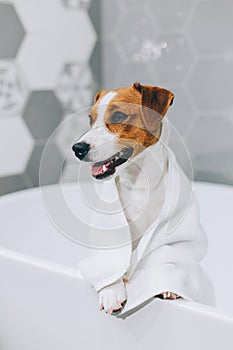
(168, 296)
(112, 298)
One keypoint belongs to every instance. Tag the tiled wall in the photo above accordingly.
(186, 46)
(52, 60)
(47, 72)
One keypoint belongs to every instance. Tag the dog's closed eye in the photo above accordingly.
(118, 117)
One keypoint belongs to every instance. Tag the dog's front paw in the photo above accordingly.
(168, 296)
(113, 297)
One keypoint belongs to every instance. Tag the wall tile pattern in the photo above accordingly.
(49, 72)
(185, 46)
(46, 73)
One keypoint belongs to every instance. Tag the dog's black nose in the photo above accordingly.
(81, 149)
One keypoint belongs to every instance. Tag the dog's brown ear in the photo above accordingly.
(155, 103)
(98, 95)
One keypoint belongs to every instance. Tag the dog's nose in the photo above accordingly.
(81, 149)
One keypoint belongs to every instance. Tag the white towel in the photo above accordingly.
(168, 255)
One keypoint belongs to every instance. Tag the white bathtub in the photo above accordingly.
(46, 305)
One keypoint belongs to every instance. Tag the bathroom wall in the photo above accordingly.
(185, 46)
(49, 57)
(55, 54)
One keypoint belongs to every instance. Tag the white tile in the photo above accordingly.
(13, 89)
(65, 36)
(16, 145)
(75, 87)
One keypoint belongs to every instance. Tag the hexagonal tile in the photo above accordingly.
(69, 130)
(11, 31)
(13, 90)
(211, 148)
(132, 4)
(43, 113)
(214, 168)
(75, 87)
(54, 165)
(139, 44)
(171, 15)
(110, 64)
(95, 63)
(16, 145)
(180, 114)
(175, 59)
(77, 4)
(42, 55)
(212, 26)
(210, 134)
(211, 84)
(129, 74)
(110, 17)
(11, 184)
(94, 13)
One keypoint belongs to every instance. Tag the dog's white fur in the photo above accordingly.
(102, 141)
(146, 192)
(103, 145)
(158, 262)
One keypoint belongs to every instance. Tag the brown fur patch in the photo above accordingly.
(145, 107)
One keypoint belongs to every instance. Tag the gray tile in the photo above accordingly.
(95, 63)
(110, 64)
(77, 4)
(109, 18)
(94, 13)
(132, 4)
(136, 39)
(211, 27)
(180, 114)
(11, 31)
(214, 167)
(211, 84)
(210, 134)
(129, 74)
(170, 15)
(211, 148)
(175, 60)
(12, 183)
(43, 113)
(52, 166)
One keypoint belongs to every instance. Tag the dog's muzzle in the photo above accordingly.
(81, 149)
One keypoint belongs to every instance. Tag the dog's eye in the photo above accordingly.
(118, 117)
(90, 120)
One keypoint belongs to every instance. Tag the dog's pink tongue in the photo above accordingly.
(98, 169)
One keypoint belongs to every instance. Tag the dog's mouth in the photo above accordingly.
(101, 170)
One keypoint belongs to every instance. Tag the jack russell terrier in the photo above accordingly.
(126, 123)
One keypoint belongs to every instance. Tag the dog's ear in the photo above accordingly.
(98, 95)
(155, 103)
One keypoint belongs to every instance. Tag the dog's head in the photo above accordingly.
(123, 123)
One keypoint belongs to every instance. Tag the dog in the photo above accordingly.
(124, 122)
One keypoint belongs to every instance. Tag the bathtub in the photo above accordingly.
(46, 305)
